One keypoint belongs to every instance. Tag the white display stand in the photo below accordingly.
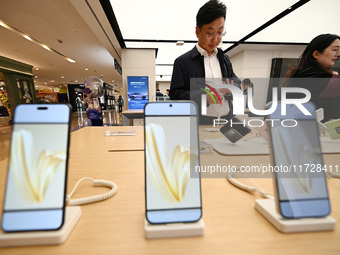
(267, 208)
(255, 146)
(43, 237)
(173, 229)
(329, 146)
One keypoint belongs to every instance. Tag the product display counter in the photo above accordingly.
(116, 226)
(132, 117)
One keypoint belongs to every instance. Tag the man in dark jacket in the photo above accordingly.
(205, 61)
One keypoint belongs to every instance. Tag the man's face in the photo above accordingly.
(210, 35)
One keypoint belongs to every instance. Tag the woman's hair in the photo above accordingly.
(307, 60)
(319, 43)
(209, 12)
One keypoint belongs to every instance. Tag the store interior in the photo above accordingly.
(66, 41)
(50, 50)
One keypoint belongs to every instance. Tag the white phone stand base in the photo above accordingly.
(43, 237)
(173, 229)
(267, 208)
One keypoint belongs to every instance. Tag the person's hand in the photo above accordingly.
(223, 91)
(211, 101)
(335, 72)
(226, 91)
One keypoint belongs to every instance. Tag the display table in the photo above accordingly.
(130, 115)
(95, 139)
(116, 226)
(5, 120)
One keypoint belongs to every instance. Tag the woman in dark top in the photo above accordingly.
(314, 73)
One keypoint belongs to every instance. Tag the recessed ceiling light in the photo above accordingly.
(46, 47)
(37, 68)
(3, 24)
(86, 69)
(70, 60)
(62, 77)
(27, 37)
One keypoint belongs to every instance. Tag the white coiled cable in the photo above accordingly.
(92, 199)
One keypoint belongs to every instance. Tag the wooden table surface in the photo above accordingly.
(95, 139)
(116, 226)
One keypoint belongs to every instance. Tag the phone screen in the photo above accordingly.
(173, 192)
(36, 179)
(300, 176)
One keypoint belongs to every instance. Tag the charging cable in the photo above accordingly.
(92, 199)
(251, 189)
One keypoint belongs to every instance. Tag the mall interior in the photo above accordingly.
(49, 50)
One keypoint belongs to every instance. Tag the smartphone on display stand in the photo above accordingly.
(300, 180)
(37, 169)
(172, 185)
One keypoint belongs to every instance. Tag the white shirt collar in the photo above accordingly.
(203, 52)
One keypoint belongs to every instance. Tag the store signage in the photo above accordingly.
(138, 94)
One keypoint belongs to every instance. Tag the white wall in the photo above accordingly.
(253, 64)
(139, 62)
(256, 65)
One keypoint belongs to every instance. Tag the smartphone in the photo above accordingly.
(172, 184)
(234, 130)
(37, 169)
(300, 182)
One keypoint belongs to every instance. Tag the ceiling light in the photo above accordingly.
(27, 37)
(62, 77)
(45, 47)
(3, 24)
(70, 60)
(86, 69)
(37, 68)
(179, 43)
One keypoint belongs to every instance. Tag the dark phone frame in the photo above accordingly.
(284, 206)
